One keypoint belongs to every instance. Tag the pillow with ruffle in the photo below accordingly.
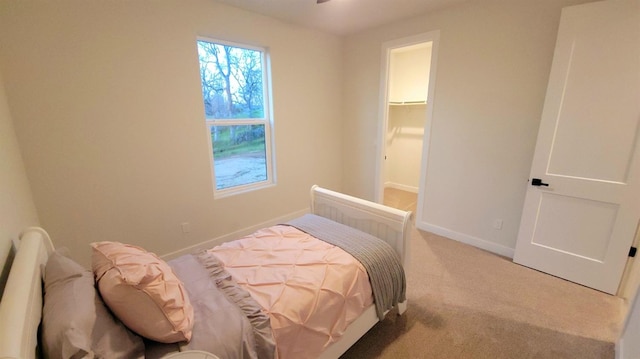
(142, 291)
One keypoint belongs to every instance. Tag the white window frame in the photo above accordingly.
(266, 121)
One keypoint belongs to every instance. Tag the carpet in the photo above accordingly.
(468, 303)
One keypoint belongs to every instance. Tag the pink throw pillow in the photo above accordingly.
(142, 291)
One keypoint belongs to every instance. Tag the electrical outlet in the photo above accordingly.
(497, 224)
(186, 227)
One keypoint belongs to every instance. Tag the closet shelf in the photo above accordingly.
(406, 103)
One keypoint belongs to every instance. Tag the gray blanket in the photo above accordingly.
(377, 256)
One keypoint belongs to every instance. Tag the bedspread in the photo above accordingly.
(227, 321)
(382, 263)
(312, 290)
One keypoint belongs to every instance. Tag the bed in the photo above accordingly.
(22, 302)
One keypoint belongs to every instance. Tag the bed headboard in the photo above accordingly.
(390, 224)
(21, 305)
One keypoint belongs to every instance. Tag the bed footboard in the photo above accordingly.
(389, 224)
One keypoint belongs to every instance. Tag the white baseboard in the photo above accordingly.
(402, 187)
(232, 236)
(467, 239)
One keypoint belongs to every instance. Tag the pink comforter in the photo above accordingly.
(311, 290)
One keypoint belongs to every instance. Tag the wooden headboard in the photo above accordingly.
(21, 310)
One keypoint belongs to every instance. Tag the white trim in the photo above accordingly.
(426, 139)
(232, 236)
(383, 123)
(231, 43)
(467, 239)
(402, 187)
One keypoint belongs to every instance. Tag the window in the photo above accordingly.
(236, 97)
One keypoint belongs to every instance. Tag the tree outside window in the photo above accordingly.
(234, 91)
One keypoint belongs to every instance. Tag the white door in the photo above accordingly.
(580, 221)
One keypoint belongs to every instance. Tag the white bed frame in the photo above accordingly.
(21, 305)
(389, 224)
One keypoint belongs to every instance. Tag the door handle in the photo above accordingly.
(538, 182)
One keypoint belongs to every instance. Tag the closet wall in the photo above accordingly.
(407, 115)
(404, 146)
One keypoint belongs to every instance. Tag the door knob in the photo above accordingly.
(538, 182)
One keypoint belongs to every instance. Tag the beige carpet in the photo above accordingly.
(468, 303)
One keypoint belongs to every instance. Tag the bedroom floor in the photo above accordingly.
(400, 199)
(464, 302)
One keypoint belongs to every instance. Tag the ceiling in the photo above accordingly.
(341, 17)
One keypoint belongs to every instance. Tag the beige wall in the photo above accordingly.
(17, 210)
(108, 112)
(404, 146)
(493, 64)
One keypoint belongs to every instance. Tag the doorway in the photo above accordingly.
(407, 83)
